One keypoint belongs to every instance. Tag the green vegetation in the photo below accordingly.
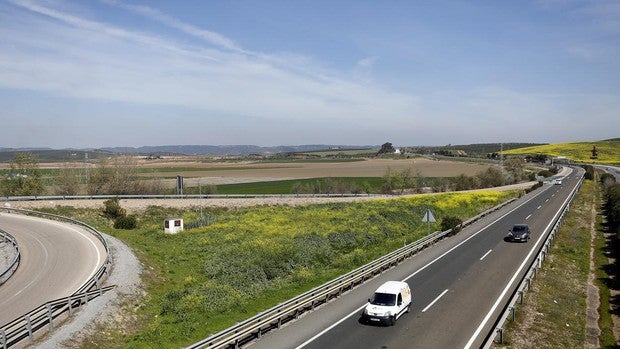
(608, 151)
(247, 260)
(556, 304)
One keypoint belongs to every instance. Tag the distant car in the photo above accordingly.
(519, 232)
(557, 182)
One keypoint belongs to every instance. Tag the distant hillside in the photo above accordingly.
(57, 155)
(608, 151)
(474, 150)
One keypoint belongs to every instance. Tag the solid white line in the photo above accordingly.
(528, 217)
(436, 299)
(486, 254)
(509, 285)
(417, 271)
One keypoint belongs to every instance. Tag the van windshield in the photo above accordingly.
(383, 299)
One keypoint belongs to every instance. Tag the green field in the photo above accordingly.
(608, 151)
(247, 260)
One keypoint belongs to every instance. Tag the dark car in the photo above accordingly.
(519, 232)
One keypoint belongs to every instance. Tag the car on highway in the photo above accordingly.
(519, 232)
(389, 302)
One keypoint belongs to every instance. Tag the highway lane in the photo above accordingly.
(56, 259)
(455, 285)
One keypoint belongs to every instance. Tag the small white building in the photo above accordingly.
(173, 225)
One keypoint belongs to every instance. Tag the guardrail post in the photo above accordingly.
(28, 326)
(99, 288)
(500, 333)
(49, 315)
(3, 336)
(520, 297)
(529, 282)
(513, 310)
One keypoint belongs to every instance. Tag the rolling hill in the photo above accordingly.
(608, 151)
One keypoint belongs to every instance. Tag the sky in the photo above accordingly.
(116, 73)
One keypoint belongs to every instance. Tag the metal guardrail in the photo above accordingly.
(497, 332)
(13, 332)
(6, 274)
(182, 196)
(273, 318)
(44, 316)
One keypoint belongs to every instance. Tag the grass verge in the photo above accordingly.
(554, 311)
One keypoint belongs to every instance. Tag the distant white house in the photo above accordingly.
(397, 151)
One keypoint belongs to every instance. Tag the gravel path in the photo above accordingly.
(7, 255)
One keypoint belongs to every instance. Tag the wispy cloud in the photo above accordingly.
(68, 54)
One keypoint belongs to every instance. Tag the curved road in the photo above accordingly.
(57, 258)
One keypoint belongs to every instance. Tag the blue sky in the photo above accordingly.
(130, 73)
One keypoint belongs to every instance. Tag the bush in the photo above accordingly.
(126, 222)
(589, 172)
(534, 187)
(112, 209)
(451, 222)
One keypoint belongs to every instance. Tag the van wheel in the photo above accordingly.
(393, 320)
(406, 311)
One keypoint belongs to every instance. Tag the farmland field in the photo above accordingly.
(228, 173)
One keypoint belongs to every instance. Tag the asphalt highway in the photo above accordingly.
(460, 286)
(56, 260)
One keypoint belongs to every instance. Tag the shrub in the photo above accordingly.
(112, 209)
(451, 222)
(126, 222)
(589, 172)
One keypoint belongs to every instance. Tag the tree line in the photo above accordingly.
(119, 176)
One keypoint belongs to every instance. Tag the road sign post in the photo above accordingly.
(428, 218)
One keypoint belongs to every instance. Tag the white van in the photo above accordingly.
(390, 301)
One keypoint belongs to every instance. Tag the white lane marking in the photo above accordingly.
(37, 276)
(89, 237)
(528, 217)
(356, 311)
(436, 299)
(512, 280)
(486, 254)
(547, 200)
(414, 273)
(538, 208)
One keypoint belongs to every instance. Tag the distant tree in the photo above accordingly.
(464, 182)
(67, 183)
(492, 177)
(399, 180)
(24, 177)
(386, 148)
(117, 176)
(516, 168)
